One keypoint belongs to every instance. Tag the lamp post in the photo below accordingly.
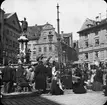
(59, 39)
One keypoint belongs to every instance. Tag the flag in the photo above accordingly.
(64, 46)
(72, 54)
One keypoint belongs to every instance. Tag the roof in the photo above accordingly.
(9, 18)
(92, 23)
(34, 32)
(67, 34)
(86, 23)
(7, 15)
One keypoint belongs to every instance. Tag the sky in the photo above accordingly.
(73, 13)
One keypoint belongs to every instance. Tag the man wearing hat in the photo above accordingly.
(7, 76)
(40, 75)
(21, 77)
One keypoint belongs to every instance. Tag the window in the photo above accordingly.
(34, 48)
(86, 55)
(34, 44)
(40, 49)
(96, 53)
(96, 42)
(86, 43)
(34, 52)
(50, 48)
(50, 32)
(102, 55)
(44, 38)
(45, 49)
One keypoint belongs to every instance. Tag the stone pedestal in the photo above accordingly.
(23, 40)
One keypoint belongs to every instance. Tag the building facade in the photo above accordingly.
(93, 41)
(43, 40)
(11, 32)
(1, 34)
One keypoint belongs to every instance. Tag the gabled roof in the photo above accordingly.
(92, 23)
(34, 32)
(86, 23)
(8, 15)
(12, 20)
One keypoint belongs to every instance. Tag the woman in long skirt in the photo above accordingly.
(56, 86)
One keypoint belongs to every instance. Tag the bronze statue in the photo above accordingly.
(24, 25)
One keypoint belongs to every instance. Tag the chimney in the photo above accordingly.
(97, 20)
(35, 24)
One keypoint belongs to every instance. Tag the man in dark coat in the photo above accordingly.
(7, 76)
(98, 80)
(105, 88)
(40, 77)
(21, 78)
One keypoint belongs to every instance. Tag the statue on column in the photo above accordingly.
(23, 40)
(24, 25)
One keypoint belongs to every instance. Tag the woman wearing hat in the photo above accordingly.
(40, 76)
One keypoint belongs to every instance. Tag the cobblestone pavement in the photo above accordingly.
(69, 98)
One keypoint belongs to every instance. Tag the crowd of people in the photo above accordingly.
(33, 77)
(42, 76)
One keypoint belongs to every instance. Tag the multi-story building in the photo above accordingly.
(43, 40)
(93, 41)
(11, 32)
(1, 34)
